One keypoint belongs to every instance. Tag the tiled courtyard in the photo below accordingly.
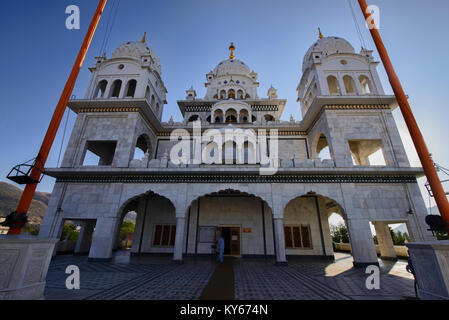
(142, 278)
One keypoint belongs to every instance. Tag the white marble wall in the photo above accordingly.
(359, 203)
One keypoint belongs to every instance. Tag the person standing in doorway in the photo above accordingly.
(221, 245)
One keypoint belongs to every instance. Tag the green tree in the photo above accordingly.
(126, 228)
(399, 238)
(339, 233)
(69, 232)
(31, 229)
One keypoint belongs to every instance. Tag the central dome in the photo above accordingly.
(231, 67)
(328, 46)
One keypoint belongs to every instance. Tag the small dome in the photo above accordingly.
(137, 49)
(328, 46)
(231, 67)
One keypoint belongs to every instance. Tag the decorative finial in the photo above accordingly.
(320, 35)
(231, 48)
(144, 38)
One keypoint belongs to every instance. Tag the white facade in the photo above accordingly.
(180, 206)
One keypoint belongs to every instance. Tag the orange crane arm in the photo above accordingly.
(415, 133)
(28, 192)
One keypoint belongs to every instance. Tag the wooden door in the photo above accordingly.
(235, 241)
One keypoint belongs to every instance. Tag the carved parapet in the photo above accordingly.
(24, 262)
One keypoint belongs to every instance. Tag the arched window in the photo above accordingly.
(208, 119)
(244, 116)
(253, 119)
(365, 84)
(231, 116)
(310, 99)
(218, 116)
(231, 94)
(240, 94)
(349, 84)
(131, 88)
(229, 152)
(142, 147)
(147, 92)
(115, 90)
(315, 90)
(333, 85)
(222, 94)
(157, 108)
(211, 153)
(268, 117)
(320, 147)
(249, 154)
(195, 117)
(247, 96)
(153, 101)
(101, 89)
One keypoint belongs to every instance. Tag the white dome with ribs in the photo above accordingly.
(327, 46)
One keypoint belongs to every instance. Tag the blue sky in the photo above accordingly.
(191, 37)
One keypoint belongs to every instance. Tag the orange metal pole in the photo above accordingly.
(28, 192)
(415, 133)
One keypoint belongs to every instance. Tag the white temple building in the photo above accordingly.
(223, 182)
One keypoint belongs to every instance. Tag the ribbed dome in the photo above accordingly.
(328, 46)
(231, 67)
(137, 49)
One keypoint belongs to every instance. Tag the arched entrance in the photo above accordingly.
(306, 225)
(155, 224)
(244, 219)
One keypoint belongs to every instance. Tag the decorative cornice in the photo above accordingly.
(201, 108)
(112, 109)
(356, 107)
(237, 178)
(292, 133)
(280, 133)
(256, 107)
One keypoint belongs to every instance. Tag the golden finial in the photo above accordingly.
(320, 35)
(144, 38)
(231, 48)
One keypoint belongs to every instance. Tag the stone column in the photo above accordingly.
(362, 243)
(122, 89)
(341, 84)
(279, 241)
(179, 238)
(85, 237)
(385, 241)
(103, 240)
(139, 229)
(358, 86)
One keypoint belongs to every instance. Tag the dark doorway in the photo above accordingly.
(227, 239)
(231, 236)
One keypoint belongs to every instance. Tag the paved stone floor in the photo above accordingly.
(142, 278)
